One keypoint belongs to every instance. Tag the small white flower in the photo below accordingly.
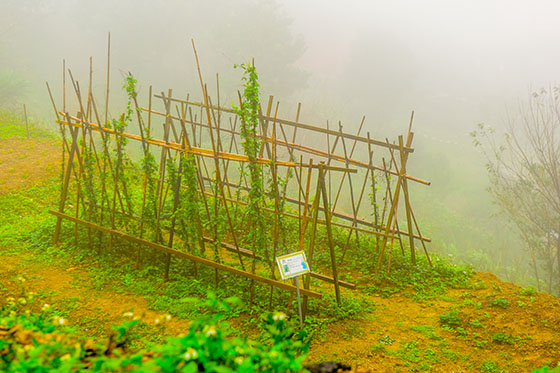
(190, 354)
(238, 360)
(168, 317)
(45, 307)
(278, 316)
(21, 279)
(211, 331)
(156, 321)
(128, 314)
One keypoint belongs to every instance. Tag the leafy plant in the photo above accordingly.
(37, 342)
(528, 291)
(500, 302)
(248, 112)
(450, 319)
(503, 338)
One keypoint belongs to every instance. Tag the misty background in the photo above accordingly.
(455, 64)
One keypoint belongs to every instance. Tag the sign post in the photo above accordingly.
(294, 265)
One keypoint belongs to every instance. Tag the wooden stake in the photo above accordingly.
(330, 241)
(26, 123)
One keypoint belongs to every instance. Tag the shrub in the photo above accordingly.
(37, 342)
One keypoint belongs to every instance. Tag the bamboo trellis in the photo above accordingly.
(117, 200)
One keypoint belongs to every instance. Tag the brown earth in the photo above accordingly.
(25, 163)
(404, 325)
(534, 321)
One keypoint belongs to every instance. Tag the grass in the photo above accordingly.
(26, 231)
(13, 125)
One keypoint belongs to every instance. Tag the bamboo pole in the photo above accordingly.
(390, 194)
(206, 262)
(313, 232)
(26, 122)
(217, 164)
(310, 128)
(330, 241)
(69, 165)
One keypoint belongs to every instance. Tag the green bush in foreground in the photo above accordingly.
(40, 342)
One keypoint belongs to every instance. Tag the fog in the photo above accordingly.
(455, 64)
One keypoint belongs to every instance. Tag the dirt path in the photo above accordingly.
(71, 291)
(25, 163)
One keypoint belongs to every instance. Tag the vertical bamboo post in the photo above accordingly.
(355, 219)
(329, 230)
(26, 122)
(392, 215)
(404, 157)
(347, 162)
(145, 182)
(216, 161)
(373, 192)
(310, 250)
(108, 76)
(173, 213)
(396, 223)
(69, 165)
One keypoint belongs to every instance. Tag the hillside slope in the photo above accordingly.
(487, 325)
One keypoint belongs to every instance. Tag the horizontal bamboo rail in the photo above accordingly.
(337, 214)
(249, 253)
(303, 148)
(296, 124)
(194, 150)
(203, 261)
(316, 275)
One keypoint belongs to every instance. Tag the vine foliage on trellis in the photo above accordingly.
(199, 194)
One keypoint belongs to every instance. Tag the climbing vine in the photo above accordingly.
(248, 112)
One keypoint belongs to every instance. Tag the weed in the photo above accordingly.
(432, 356)
(427, 330)
(450, 319)
(503, 338)
(528, 291)
(386, 340)
(409, 352)
(500, 302)
(476, 324)
(379, 348)
(490, 366)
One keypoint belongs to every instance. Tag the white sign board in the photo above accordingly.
(292, 265)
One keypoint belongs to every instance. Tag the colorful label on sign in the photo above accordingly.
(292, 265)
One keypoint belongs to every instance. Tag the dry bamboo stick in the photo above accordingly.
(310, 251)
(308, 127)
(64, 192)
(207, 262)
(218, 176)
(330, 242)
(202, 151)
